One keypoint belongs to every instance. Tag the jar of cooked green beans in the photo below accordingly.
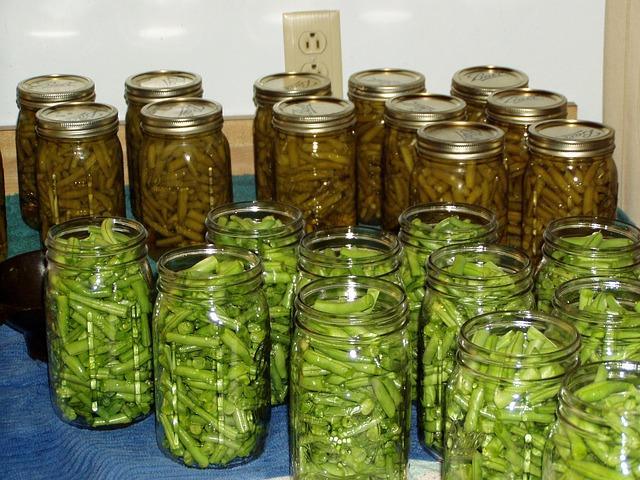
(350, 390)
(577, 247)
(424, 229)
(475, 84)
(597, 431)
(513, 111)
(358, 251)
(211, 356)
(462, 281)
(80, 170)
(571, 172)
(185, 170)
(271, 230)
(403, 116)
(461, 162)
(315, 159)
(140, 90)
(32, 95)
(502, 394)
(369, 90)
(606, 312)
(3, 216)
(268, 91)
(98, 308)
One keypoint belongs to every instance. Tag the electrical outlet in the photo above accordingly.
(312, 44)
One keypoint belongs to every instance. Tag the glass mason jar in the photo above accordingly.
(403, 116)
(350, 391)
(369, 90)
(267, 91)
(185, 170)
(315, 159)
(502, 394)
(606, 312)
(424, 229)
(80, 168)
(32, 95)
(513, 111)
(271, 230)
(463, 281)
(577, 247)
(211, 356)
(3, 216)
(571, 172)
(139, 90)
(461, 162)
(596, 433)
(475, 84)
(98, 308)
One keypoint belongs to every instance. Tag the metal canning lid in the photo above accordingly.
(181, 116)
(77, 120)
(159, 84)
(460, 140)
(475, 84)
(525, 106)
(313, 114)
(384, 83)
(280, 86)
(571, 138)
(415, 110)
(48, 90)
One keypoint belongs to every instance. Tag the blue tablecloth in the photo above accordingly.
(37, 445)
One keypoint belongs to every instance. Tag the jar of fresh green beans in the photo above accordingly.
(141, 89)
(185, 170)
(98, 308)
(267, 91)
(211, 356)
(424, 229)
(271, 230)
(34, 94)
(3, 216)
(606, 312)
(403, 116)
(597, 433)
(462, 281)
(502, 394)
(315, 159)
(576, 247)
(80, 170)
(350, 399)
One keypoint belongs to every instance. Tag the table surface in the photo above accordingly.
(37, 445)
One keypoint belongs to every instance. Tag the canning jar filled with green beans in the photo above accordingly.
(315, 159)
(606, 312)
(597, 432)
(267, 91)
(34, 94)
(403, 116)
(369, 90)
(98, 309)
(571, 172)
(462, 282)
(272, 231)
(80, 167)
(513, 111)
(502, 394)
(211, 356)
(424, 229)
(576, 247)
(141, 89)
(461, 162)
(350, 398)
(185, 170)
(475, 84)
(3, 216)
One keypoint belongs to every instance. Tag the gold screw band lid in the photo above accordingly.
(415, 110)
(76, 120)
(525, 106)
(313, 114)
(181, 116)
(48, 90)
(280, 86)
(384, 83)
(475, 84)
(571, 138)
(158, 84)
(460, 140)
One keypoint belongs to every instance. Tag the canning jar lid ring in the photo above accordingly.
(181, 116)
(428, 108)
(304, 114)
(45, 90)
(379, 89)
(460, 138)
(158, 84)
(77, 120)
(515, 105)
(572, 138)
(471, 89)
(273, 88)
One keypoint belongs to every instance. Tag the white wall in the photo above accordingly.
(231, 43)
